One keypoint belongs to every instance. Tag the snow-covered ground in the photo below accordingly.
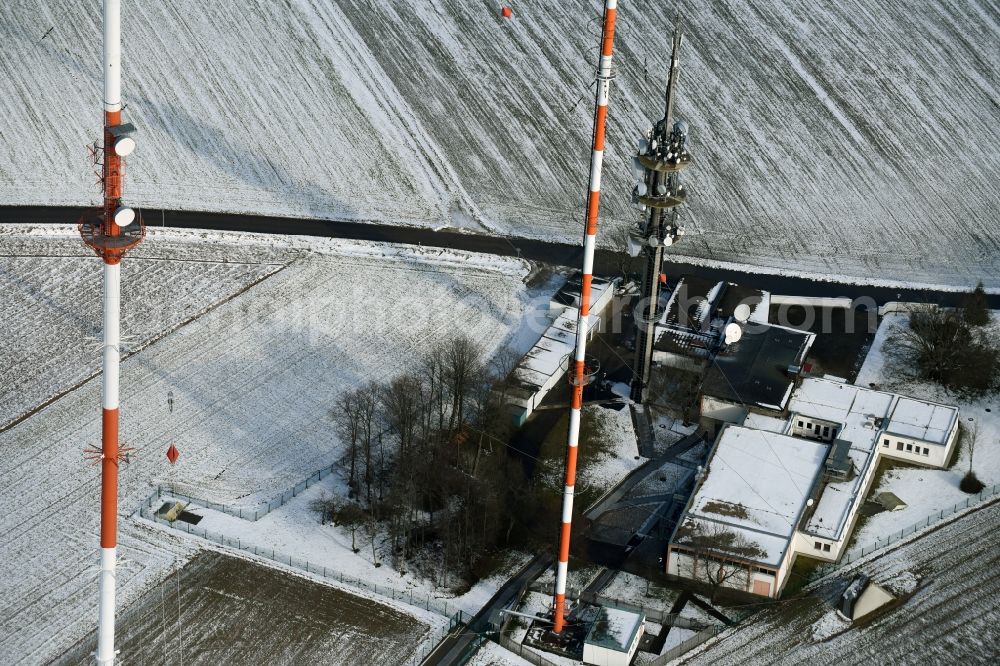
(293, 529)
(927, 491)
(491, 654)
(252, 379)
(952, 616)
(58, 282)
(835, 139)
(638, 591)
(621, 450)
(603, 469)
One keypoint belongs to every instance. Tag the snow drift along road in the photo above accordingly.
(855, 138)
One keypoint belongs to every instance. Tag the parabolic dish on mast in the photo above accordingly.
(733, 332)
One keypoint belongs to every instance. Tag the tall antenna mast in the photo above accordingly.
(111, 231)
(662, 155)
(580, 376)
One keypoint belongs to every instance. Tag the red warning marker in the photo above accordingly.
(173, 454)
(506, 12)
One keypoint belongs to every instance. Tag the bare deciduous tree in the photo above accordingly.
(719, 553)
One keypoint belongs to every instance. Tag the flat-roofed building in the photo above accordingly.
(613, 638)
(739, 526)
(852, 428)
(546, 363)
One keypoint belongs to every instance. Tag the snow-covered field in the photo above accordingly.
(295, 529)
(855, 138)
(952, 616)
(252, 378)
(927, 491)
(52, 310)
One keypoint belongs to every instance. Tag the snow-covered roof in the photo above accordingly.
(865, 413)
(858, 411)
(835, 504)
(549, 355)
(926, 421)
(756, 486)
(765, 422)
(614, 628)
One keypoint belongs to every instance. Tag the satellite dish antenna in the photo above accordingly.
(742, 313)
(124, 146)
(124, 216)
(733, 333)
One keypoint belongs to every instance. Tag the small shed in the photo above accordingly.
(614, 637)
(890, 501)
(861, 598)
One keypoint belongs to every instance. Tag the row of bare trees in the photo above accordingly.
(427, 462)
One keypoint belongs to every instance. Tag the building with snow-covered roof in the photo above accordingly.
(613, 638)
(547, 361)
(876, 424)
(739, 526)
(852, 427)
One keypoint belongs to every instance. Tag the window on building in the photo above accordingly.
(802, 424)
(885, 442)
(826, 548)
(766, 572)
(909, 447)
(899, 446)
(826, 431)
(818, 546)
(835, 430)
(926, 451)
(809, 426)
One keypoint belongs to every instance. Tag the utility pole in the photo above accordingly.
(579, 374)
(662, 155)
(111, 231)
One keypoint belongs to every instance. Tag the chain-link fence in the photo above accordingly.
(857, 553)
(249, 512)
(439, 606)
(525, 653)
(689, 644)
(428, 646)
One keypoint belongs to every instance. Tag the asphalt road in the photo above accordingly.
(561, 254)
(454, 646)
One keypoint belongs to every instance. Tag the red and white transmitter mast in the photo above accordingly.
(111, 231)
(580, 375)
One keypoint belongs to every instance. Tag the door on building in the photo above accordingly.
(762, 587)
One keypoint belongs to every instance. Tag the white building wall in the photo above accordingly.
(599, 655)
(917, 451)
(684, 565)
(812, 428)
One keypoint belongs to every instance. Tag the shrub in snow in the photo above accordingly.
(942, 347)
(976, 307)
(970, 483)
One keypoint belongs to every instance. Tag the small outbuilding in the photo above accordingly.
(890, 501)
(861, 598)
(614, 637)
